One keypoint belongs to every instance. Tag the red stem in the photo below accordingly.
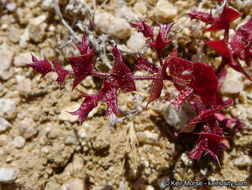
(100, 74)
(144, 77)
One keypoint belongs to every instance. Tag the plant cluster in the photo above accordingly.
(198, 84)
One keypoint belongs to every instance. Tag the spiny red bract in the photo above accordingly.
(198, 84)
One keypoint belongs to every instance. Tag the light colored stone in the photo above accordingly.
(11, 6)
(65, 116)
(112, 25)
(8, 175)
(147, 137)
(249, 112)
(73, 184)
(24, 38)
(186, 160)
(127, 13)
(27, 128)
(233, 83)
(178, 119)
(37, 32)
(48, 4)
(14, 34)
(8, 108)
(243, 160)
(24, 85)
(23, 59)
(149, 187)
(140, 7)
(18, 142)
(6, 60)
(4, 125)
(3, 139)
(71, 139)
(136, 42)
(164, 11)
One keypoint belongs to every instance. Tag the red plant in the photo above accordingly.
(197, 83)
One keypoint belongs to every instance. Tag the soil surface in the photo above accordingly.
(44, 147)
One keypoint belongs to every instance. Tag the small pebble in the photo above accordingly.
(27, 128)
(65, 116)
(6, 60)
(73, 184)
(8, 108)
(233, 83)
(18, 142)
(243, 160)
(164, 12)
(8, 175)
(23, 59)
(4, 125)
(136, 42)
(112, 25)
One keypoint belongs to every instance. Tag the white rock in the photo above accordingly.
(140, 7)
(127, 13)
(48, 4)
(136, 42)
(243, 160)
(73, 184)
(233, 83)
(37, 32)
(18, 142)
(22, 59)
(65, 116)
(11, 6)
(8, 108)
(4, 125)
(112, 25)
(164, 11)
(14, 34)
(24, 85)
(6, 59)
(8, 175)
(27, 128)
(177, 119)
(24, 38)
(149, 187)
(186, 160)
(3, 139)
(147, 137)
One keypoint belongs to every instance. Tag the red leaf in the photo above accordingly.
(90, 102)
(144, 28)
(206, 113)
(109, 96)
(62, 73)
(221, 47)
(160, 41)
(122, 73)
(236, 124)
(84, 48)
(156, 87)
(203, 16)
(205, 84)
(157, 84)
(208, 142)
(241, 43)
(82, 66)
(227, 16)
(43, 66)
(183, 95)
(146, 65)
